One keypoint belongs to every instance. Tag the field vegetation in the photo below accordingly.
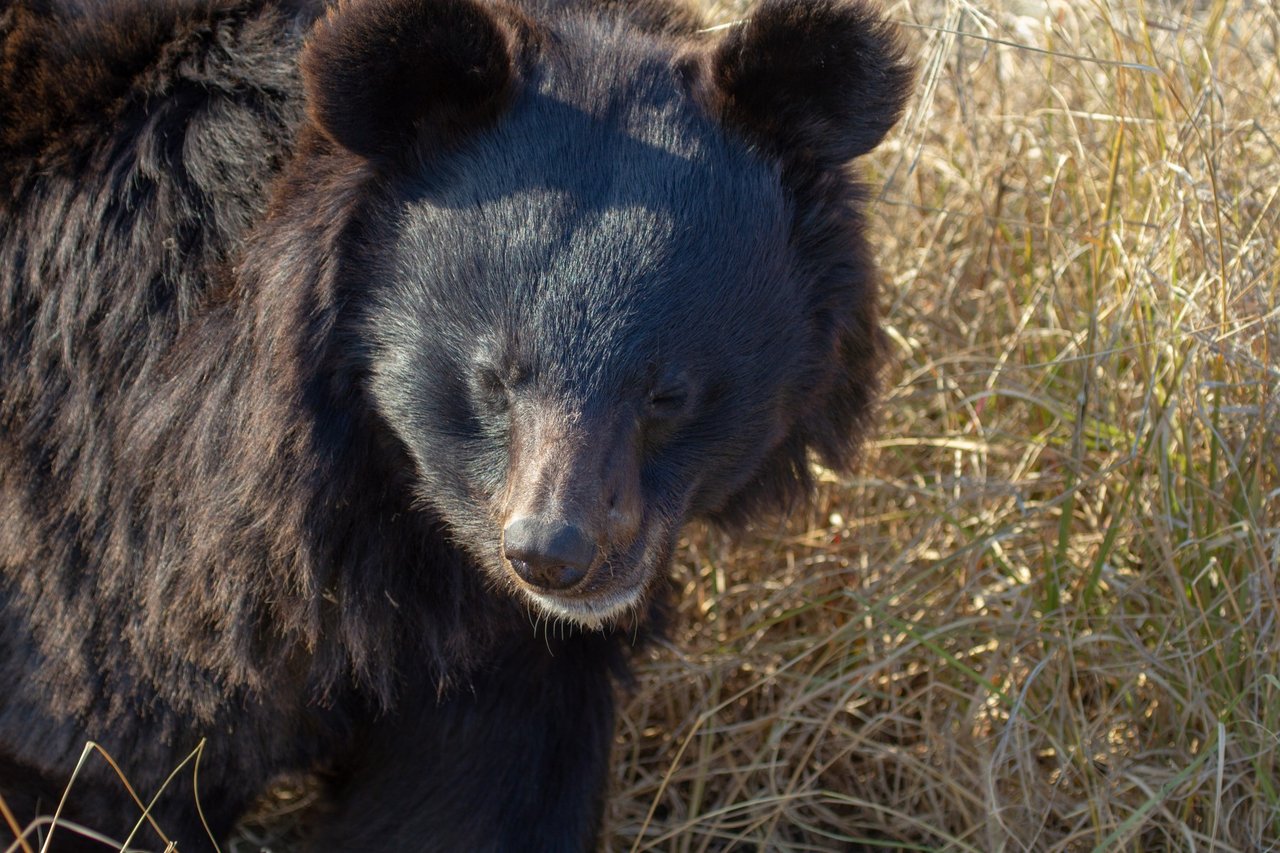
(1045, 614)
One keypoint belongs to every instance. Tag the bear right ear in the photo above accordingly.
(381, 73)
(819, 79)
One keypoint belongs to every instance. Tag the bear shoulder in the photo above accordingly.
(75, 73)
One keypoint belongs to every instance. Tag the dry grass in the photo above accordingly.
(1045, 616)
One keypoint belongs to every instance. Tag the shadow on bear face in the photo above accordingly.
(600, 293)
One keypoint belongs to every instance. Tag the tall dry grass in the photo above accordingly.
(1045, 616)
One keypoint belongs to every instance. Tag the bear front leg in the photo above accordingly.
(516, 758)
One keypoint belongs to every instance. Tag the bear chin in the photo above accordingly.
(595, 614)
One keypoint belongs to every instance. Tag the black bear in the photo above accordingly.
(359, 367)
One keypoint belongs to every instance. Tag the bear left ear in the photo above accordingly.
(380, 73)
(823, 79)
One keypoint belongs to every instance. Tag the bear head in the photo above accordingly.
(609, 278)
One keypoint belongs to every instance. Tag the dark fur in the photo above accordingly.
(252, 466)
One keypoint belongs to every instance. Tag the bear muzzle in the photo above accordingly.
(573, 511)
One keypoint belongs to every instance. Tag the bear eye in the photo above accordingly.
(668, 401)
(491, 389)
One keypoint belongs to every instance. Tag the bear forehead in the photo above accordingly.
(537, 275)
(609, 177)
(602, 217)
(589, 263)
(610, 72)
(603, 111)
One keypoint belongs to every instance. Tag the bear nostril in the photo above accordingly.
(548, 554)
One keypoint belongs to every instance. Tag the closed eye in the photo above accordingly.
(669, 402)
(491, 390)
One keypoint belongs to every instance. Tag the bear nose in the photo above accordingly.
(548, 554)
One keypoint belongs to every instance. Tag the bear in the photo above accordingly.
(360, 366)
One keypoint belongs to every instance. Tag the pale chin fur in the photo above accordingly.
(591, 616)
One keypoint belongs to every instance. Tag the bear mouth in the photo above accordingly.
(595, 613)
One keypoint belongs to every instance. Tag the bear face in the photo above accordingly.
(654, 324)
(615, 371)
